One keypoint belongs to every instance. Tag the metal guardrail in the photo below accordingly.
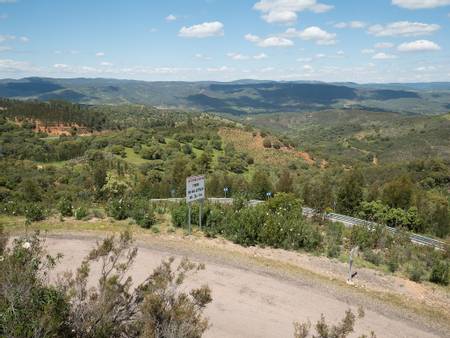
(346, 220)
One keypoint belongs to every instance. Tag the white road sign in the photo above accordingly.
(195, 188)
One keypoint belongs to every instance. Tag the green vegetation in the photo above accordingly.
(158, 307)
(279, 223)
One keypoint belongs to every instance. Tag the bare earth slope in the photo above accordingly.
(252, 296)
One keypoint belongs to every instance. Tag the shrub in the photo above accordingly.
(118, 209)
(28, 305)
(34, 213)
(65, 207)
(81, 213)
(142, 212)
(415, 272)
(267, 143)
(440, 272)
(179, 215)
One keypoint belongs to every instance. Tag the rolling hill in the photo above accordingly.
(238, 97)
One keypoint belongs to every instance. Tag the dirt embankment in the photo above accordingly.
(260, 292)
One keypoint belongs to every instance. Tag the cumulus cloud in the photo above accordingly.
(314, 33)
(106, 64)
(170, 18)
(403, 28)
(420, 4)
(271, 41)
(286, 11)
(204, 30)
(418, 46)
(252, 38)
(275, 41)
(351, 24)
(99, 54)
(383, 56)
(384, 45)
(24, 39)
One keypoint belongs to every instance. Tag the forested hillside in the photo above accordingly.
(238, 97)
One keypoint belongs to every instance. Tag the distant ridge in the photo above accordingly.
(246, 96)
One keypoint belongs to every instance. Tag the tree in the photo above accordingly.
(318, 193)
(399, 193)
(261, 184)
(350, 192)
(285, 182)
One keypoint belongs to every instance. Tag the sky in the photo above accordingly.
(192, 40)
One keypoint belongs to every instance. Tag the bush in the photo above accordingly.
(34, 213)
(65, 207)
(118, 209)
(179, 215)
(142, 212)
(415, 272)
(267, 143)
(81, 213)
(440, 272)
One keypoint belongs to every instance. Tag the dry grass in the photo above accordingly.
(253, 145)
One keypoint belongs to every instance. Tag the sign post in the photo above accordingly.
(225, 190)
(195, 191)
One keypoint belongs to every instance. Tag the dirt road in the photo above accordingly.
(249, 301)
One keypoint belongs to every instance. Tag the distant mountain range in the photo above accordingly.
(237, 97)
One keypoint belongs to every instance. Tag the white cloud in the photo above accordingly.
(384, 45)
(60, 66)
(368, 51)
(238, 56)
(313, 33)
(340, 52)
(308, 68)
(418, 46)
(275, 41)
(24, 39)
(304, 59)
(252, 38)
(403, 28)
(383, 56)
(351, 24)
(425, 68)
(153, 30)
(420, 4)
(285, 11)
(260, 56)
(170, 18)
(219, 69)
(106, 64)
(203, 30)
(99, 54)
(202, 56)
(272, 41)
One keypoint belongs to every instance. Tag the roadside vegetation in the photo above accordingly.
(143, 153)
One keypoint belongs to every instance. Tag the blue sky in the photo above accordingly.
(327, 40)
